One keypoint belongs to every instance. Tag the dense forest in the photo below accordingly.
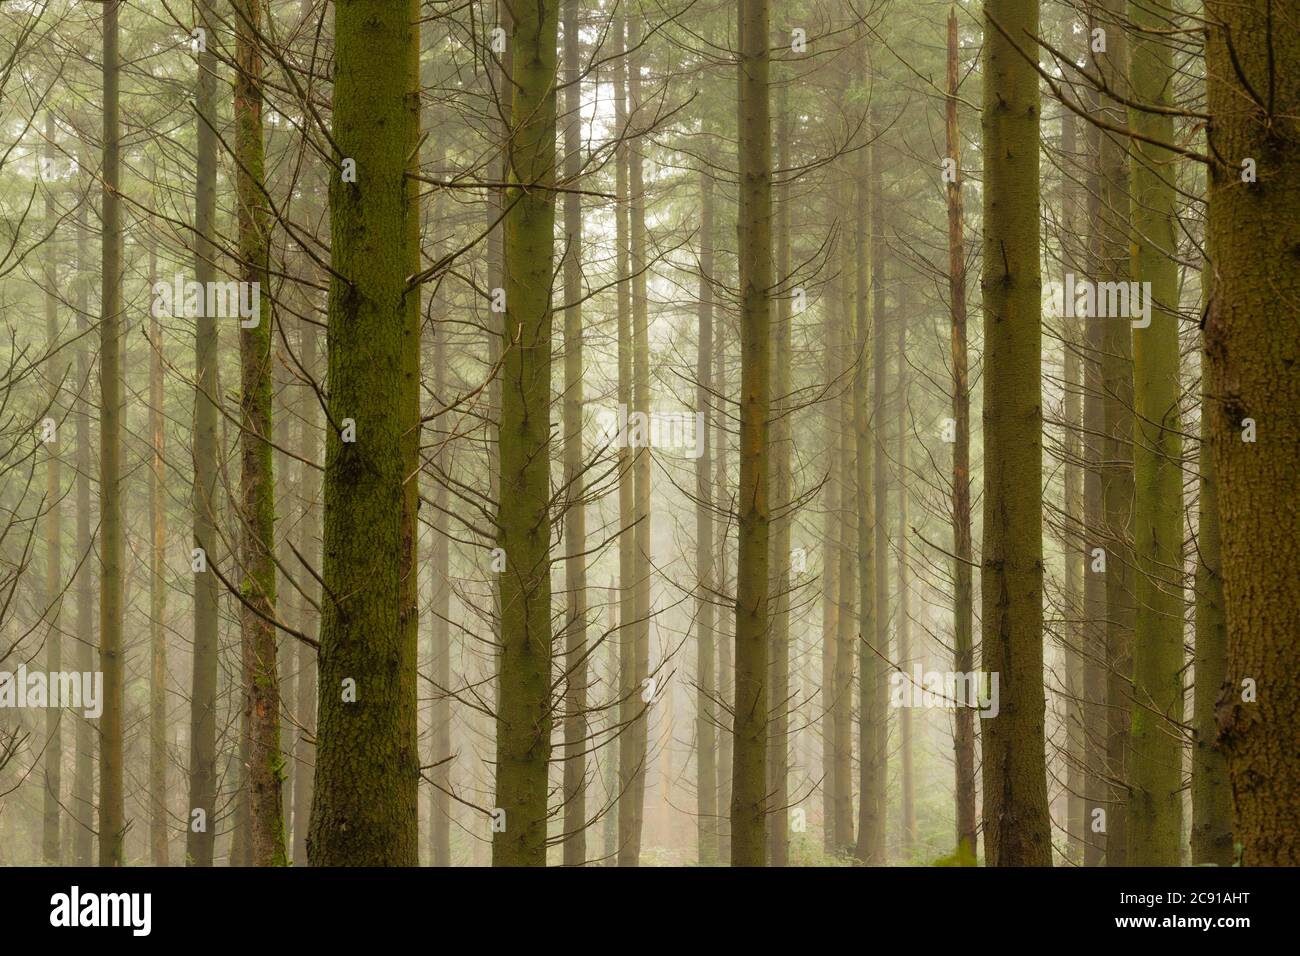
(650, 433)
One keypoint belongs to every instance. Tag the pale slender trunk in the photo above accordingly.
(575, 516)
(201, 821)
(963, 570)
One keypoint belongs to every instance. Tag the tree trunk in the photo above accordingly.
(629, 691)
(265, 767)
(1211, 795)
(201, 822)
(157, 592)
(1155, 807)
(112, 815)
(309, 545)
(779, 697)
(749, 758)
(364, 810)
(1254, 380)
(523, 521)
(641, 456)
(706, 742)
(1016, 825)
(963, 569)
(575, 516)
(83, 768)
(56, 370)
(1093, 637)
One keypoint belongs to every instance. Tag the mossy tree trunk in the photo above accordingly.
(1155, 806)
(1253, 66)
(265, 767)
(364, 810)
(524, 704)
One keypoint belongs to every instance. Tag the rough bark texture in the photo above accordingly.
(265, 767)
(524, 704)
(1016, 825)
(367, 763)
(749, 772)
(112, 812)
(1254, 373)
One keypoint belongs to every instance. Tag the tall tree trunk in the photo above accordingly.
(157, 591)
(706, 741)
(364, 810)
(83, 767)
(1072, 506)
(904, 606)
(872, 525)
(1093, 636)
(309, 545)
(1155, 807)
(523, 520)
(642, 455)
(201, 824)
(846, 633)
(629, 691)
(53, 526)
(575, 516)
(440, 809)
(722, 551)
(831, 531)
(265, 767)
(1117, 441)
(1016, 824)
(1253, 66)
(963, 568)
(1211, 795)
(749, 772)
(778, 832)
(112, 813)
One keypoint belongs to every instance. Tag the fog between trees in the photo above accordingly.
(617, 433)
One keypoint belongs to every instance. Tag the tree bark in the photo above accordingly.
(1016, 825)
(1253, 373)
(524, 702)
(364, 810)
(749, 758)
